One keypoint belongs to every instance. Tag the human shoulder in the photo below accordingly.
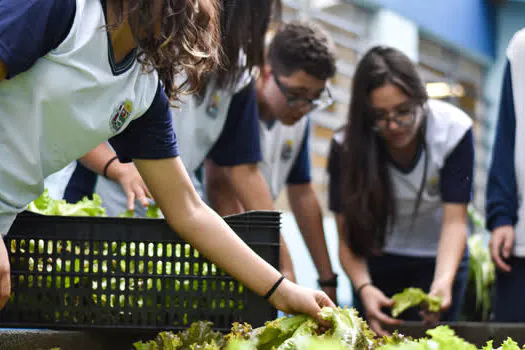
(445, 114)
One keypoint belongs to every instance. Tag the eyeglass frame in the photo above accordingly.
(393, 116)
(292, 101)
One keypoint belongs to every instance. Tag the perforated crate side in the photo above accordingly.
(126, 273)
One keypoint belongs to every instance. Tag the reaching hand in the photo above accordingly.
(294, 299)
(500, 245)
(443, 290)
(133, 185)
(374, 300)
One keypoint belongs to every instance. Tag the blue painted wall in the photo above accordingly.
(467, 24)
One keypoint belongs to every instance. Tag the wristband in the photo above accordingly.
(104, 173)
(358, 292)
(332, 282)
(274, 288)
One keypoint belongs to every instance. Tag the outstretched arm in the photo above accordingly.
(210, 235)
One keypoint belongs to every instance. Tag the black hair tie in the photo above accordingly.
(274, 288)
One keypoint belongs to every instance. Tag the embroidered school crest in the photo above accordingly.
(433, 186)
(286, 152)
(121, 114)
(213, 106)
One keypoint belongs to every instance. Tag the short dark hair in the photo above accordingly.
(300, 45)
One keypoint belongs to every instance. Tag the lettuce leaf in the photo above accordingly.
(411, 297)
(45, 205)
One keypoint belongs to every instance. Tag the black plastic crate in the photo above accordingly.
(127, 274)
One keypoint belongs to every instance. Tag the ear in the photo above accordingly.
(267, 72)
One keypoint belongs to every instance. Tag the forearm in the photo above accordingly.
(309, 218)
(355, 267)
(202, 227)
(451, 248)
(253, 193)
(220, 192)
(250, 187)
(227, 250)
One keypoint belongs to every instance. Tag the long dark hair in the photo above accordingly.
(189, 39)
(369, 202)
(244, 24)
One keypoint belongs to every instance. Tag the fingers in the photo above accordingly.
(146, 191)
(376, 327)
(142, 197)
(312, 306)
(495, 249)
(446, 303)
(137, 193)
(385, 302)
(131, 200)
(375, 313)
(387, 319)
(323, 300)
(430, 318)
(322, 322)
(507, 246)
(501, 246)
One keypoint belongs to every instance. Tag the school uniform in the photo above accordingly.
(506, 184)
(65, 94)
(220, 124)
(409, 252)
(286, 154)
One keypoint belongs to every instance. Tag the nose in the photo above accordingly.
(392, 125)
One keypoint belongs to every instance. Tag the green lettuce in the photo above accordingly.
(411, 297)
(482, 269)
(46, 205)
(510, 344)
(440, 338)
(153, 212)
(348, 327)
(198, 336)
(275, 332)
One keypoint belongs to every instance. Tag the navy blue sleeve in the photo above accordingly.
(456, 175)
(300, 173)
(149, 137)
(29, 29)
(239, 142)
(81, 184)
(334, 174)
(501, 205)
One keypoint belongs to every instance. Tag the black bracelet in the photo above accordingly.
(358, 292)
(107, 166)
(332, 282)
(274, 288)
